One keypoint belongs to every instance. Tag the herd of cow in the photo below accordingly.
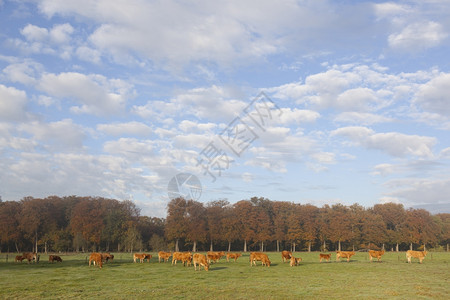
(187, 258)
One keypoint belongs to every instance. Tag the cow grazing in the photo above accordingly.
(376, 254)
(184, 257)
(234, 256)
(416, 254)
(30, 256)
(96, 258)
(200, 260)
(286, 255)
(259, 256)
(19, 258)
(327, 257)
(344, 254)
(214, 256)
(53, 258)
(295, 261)
(107, 257)
(164, 256)
(141, 257)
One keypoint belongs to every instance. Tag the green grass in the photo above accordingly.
(393, 278)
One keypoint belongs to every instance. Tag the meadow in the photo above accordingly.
(392, 278)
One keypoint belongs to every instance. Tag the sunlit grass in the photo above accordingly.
(392, 278)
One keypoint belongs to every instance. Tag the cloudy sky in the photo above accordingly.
(305, 101)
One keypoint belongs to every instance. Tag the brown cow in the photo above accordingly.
(214, 256)
(344, 254)
(184, 257)
(259, 256)
(286, 255)
(96, 258)
(295, 261)
(107, 257)
(53, 258)
(164, 256)
(30, 256)
(200, 260)
(416, 254)
(327, 257)
(234, 256)
(19, 258)
(376, 254)
(141, 257)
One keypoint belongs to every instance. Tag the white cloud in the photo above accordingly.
(393, 143)
(361, 118)
(12, 104)
(418, 36)
(433, 95)
(97, 94)
(131, 128)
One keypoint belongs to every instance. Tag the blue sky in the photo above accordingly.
(114, 98)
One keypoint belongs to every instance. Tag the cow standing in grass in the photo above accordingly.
(344, 254)
(30, 256)
(96, 258)
(376, 254)
(286, 255)
(416, 254)
(53, 258)
(200, 259)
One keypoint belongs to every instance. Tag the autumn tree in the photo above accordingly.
(196, 223)
(393, 216)
(339, 224)
(215, 214)
(282, 210)
(176, 225)
(9, 223)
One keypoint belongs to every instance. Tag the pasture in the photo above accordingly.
(393, 278)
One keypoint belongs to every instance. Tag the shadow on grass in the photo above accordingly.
(217, 269)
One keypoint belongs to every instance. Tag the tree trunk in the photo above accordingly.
(45, 247)
(194, 248)
(36, 249)
(424, 247)
(309, 246)
(447, 247)
(118, 247)
(261, 247)
(211, 246)
(293, 245)
(278, 246)
(339, 245)
(353, 247)
(245, 245)
(383, 247)
(17, 247)
(229, 246)
(410, 246)
(324, 246)
(176, 246)
(396, 247)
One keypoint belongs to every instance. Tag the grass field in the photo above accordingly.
(393, 278)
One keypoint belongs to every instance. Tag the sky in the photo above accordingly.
(318, 102)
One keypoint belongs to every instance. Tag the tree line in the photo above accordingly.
(98, 224)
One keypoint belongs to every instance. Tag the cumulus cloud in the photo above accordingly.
(393, 143)
(433, 95)
(362, 118)
(418, 36)
(130, 128)
(13, 104)
(97, 94)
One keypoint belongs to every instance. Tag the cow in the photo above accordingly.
(200, 260)
(53, 258)
(107, 257)
(184, 257)
(164, 256)
(286, 255)
(214, 256)
(327, 257)
(19, 258)
(234, 256)
(96, 258)
(295, 261)
(259, 256)
(416, 254)
(376, 254)
(141, 257)
(344, 254)
(30, 256)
